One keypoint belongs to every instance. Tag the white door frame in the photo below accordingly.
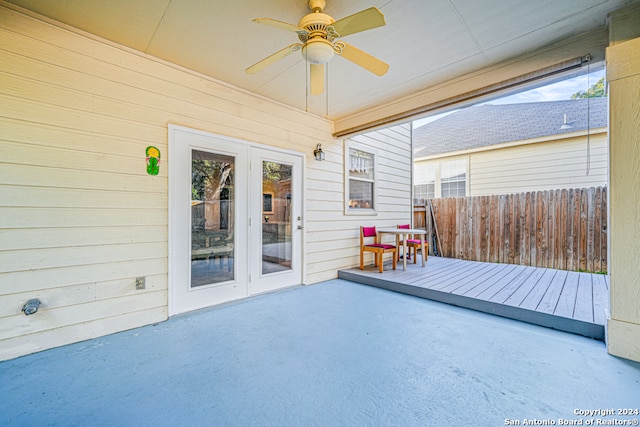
(179, 245)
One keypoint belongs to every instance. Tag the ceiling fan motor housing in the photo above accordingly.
(316, 24)
(317, 48)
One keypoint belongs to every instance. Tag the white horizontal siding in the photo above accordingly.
(79, 217)
(541, 166)
(37, 279)
(333, 237)
(18, 345)
(37, 238)
(80, 294)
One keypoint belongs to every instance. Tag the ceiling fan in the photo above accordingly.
(318, 34)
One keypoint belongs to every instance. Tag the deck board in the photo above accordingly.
(549, 301)
(469, 279)
(503, 274)
(569, 301)
(538, 279)
(481, 280)
(495, 287)
(532, 300)
(600, 298)
(506, 293)
(584, 298)
(444, 276)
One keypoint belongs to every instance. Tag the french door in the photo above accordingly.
(276, 222)
(235, 219)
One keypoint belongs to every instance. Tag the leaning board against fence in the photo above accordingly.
(563, 229)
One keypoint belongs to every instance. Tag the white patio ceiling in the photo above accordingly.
(425, 42)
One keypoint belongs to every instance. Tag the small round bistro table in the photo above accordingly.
(404, 233)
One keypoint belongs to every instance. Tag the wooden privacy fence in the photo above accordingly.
(563, 229)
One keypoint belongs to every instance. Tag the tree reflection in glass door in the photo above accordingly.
(276, 217)
(212, 213)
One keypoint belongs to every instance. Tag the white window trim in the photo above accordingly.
(438, 175)
(348, 145)
(438, 189)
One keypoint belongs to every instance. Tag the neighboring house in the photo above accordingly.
(512, 148)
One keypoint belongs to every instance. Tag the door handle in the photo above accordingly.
(300, 227)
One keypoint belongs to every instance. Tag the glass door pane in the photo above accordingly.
(212, 214)
(276, 217)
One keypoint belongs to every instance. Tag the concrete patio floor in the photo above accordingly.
(331, 354)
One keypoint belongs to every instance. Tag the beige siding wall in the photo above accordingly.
(79, 217)
(335, 235)
(532, 167)
(623, 75)
(541, 166)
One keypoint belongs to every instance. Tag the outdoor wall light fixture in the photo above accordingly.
(318, 153)
(31, 307)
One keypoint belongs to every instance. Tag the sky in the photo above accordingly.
(554, 92)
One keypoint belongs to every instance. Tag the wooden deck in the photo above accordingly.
(568, 301)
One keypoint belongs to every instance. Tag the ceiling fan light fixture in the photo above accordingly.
(318, 51)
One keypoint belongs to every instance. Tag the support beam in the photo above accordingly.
(507, 77)
(623, 76)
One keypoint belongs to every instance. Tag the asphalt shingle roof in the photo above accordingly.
(485, 125)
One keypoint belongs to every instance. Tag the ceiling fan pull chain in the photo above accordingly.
(307, 78)
(326, 92)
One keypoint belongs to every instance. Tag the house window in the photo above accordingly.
(436, 178)
(361, 180)
(425, 179)
(424, 191)
(453, 178)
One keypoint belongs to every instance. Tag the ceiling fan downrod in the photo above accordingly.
(317, 6)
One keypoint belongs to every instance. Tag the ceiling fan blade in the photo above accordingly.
(279, 24)
(316, 77)
(363, 59)
(260, 65)
(361, 21)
